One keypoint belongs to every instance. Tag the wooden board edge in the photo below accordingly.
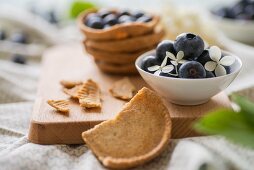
(183, 127)
(50, 133)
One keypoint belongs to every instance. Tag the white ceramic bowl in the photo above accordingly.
(239, 30)
(188, 91)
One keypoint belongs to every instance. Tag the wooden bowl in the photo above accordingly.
(116, 58)
(131, 44)
(116, 32)
(125, 69)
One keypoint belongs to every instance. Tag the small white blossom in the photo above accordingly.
(178, 59)
(217, 64)
(162, 68)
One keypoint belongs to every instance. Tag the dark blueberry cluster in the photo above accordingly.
(19, 59)
(105, 18)
(243, 10)
(16, 37)
(2, 35)
(186, 57)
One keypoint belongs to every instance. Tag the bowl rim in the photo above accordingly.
(186, 79)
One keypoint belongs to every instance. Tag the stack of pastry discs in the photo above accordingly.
(116, 48)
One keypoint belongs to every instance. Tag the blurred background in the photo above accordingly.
(29, 27)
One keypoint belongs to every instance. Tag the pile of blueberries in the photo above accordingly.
(105, 18)
(17, 37)
(243, 10)
(186, 58)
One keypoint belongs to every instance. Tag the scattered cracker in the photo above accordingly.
(59, 105)
(70, 84)
(89, 95)
(123, 89)
(137, 134)
(72, 92)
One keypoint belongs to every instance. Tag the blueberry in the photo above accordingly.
(103, 13)
(137, 14)
(228, 69)
(94, 22)
(110, 19)
(92, 15)
(148, 62)
(209, 74)
(106, 26)
(243, 17)
(2, 35)
(249, 10)
(126, 19)
(144, 18)
(224, 12)
(237, 9)
(124, 12)
(229, 13)
(244, 2)
(192, 45)
(192, 69)
(19, 59)
(162, 47)
(204, 57)
(52, 17)
(19, 37)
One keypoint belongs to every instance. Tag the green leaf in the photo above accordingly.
(227, 123)
(79, 6)
(246, 106)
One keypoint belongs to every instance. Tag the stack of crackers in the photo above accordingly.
(115, 49)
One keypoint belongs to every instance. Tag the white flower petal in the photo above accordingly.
(153, 68)
(210, 65)
(227, 60)
(170, 55)
(157, 73)
(167, 69)
(179, 55)
(182, 61)
(174, 62)
(215, 53)
(220, 71)
(164, 62)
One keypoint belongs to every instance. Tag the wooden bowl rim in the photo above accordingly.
(85, 28)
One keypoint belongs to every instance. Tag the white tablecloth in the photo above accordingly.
(17, 92)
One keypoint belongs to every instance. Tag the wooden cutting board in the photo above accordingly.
(69, 62)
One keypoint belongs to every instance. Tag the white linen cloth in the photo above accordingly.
(17, 92)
